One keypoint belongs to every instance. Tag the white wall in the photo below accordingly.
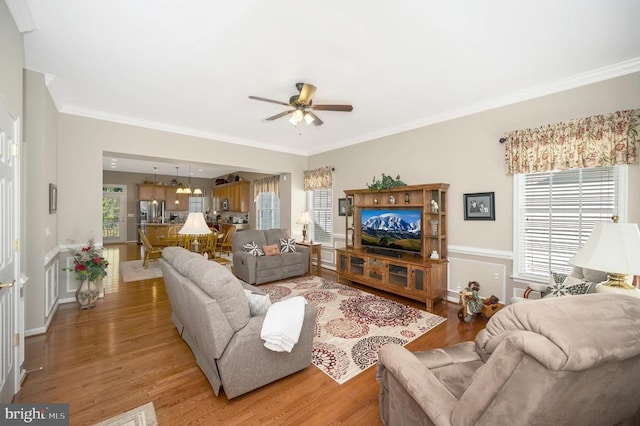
(12, 54)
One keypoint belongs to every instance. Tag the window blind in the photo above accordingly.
(322, 214)
(557, 211)
(268, 210)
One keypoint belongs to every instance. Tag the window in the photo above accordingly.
(321, 209)
(555, 213)
(196, 204)
(268, 210)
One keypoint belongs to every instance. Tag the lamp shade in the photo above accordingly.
(195, 225)
(304, 218)
(613, 248)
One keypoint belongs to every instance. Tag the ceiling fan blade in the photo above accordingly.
(346, 108)
(306, 93)
(282, 114)
(257, 98)
(316, 120)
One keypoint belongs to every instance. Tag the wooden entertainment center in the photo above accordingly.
(420, 276)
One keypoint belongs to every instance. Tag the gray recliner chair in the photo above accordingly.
(563, 361)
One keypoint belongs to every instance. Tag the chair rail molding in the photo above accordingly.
(482, 252)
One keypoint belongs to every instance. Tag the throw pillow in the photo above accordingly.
(270, 250)
(258, 303)
(287, 245)
(253, 248)
(564, 285)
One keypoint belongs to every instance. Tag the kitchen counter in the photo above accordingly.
(157, 233)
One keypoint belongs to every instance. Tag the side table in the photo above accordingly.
(314, 248)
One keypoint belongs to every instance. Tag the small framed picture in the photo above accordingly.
(344, 208)
(479, 206)
(53, 198)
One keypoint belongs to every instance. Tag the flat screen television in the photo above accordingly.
(395, 229)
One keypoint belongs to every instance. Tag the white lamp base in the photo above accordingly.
(603, 288)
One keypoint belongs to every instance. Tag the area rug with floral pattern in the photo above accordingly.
(352, 325)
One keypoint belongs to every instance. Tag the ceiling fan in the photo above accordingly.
(302, 106)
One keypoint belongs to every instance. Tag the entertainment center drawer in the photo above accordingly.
(413, 278)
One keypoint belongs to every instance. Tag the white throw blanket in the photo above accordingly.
(283, 323)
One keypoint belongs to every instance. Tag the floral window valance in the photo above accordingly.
(268, 184)
(598, 141)
(316, 179)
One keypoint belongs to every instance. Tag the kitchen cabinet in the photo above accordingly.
(171, 198)
(236, 195)
(150, 192)
(145, 192)
(166, 193)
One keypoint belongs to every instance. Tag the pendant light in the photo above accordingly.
(155, 185)
(178, 191)
(187, 190)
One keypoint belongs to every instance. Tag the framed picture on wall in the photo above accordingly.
(53, 198)
(344, 208)
(479, 206)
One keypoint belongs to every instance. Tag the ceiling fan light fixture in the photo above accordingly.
(300, 103)
(308, 118)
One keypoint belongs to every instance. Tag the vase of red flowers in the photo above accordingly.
(89, 266)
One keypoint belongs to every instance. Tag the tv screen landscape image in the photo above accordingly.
(396, 229)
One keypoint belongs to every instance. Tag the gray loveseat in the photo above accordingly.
(211, 312)
(559, 361)
(261, 269)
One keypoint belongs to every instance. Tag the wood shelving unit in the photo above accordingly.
(414, 275)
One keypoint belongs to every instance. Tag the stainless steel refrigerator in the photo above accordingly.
(149, 213)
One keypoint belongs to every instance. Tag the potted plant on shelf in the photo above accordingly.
(89, 266)
(387, 182)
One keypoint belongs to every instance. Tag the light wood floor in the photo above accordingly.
(126, 352)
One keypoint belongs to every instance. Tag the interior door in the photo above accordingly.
(114, 213)
(10, 300)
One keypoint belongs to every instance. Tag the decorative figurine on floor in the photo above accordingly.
(470, 302)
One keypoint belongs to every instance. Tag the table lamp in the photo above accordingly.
(613, 248)
(195, 225)
(304, 219)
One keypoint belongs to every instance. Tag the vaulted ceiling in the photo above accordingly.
(190, 66)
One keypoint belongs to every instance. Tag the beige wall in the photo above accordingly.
(83, 140)
(40, 230)
(466, 154)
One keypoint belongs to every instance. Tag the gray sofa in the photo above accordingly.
(261, 269)
(211, 312)
(559, 361)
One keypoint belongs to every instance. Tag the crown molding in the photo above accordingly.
(594, 76)
(154, 125)
(22, 16)
(583, 79)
